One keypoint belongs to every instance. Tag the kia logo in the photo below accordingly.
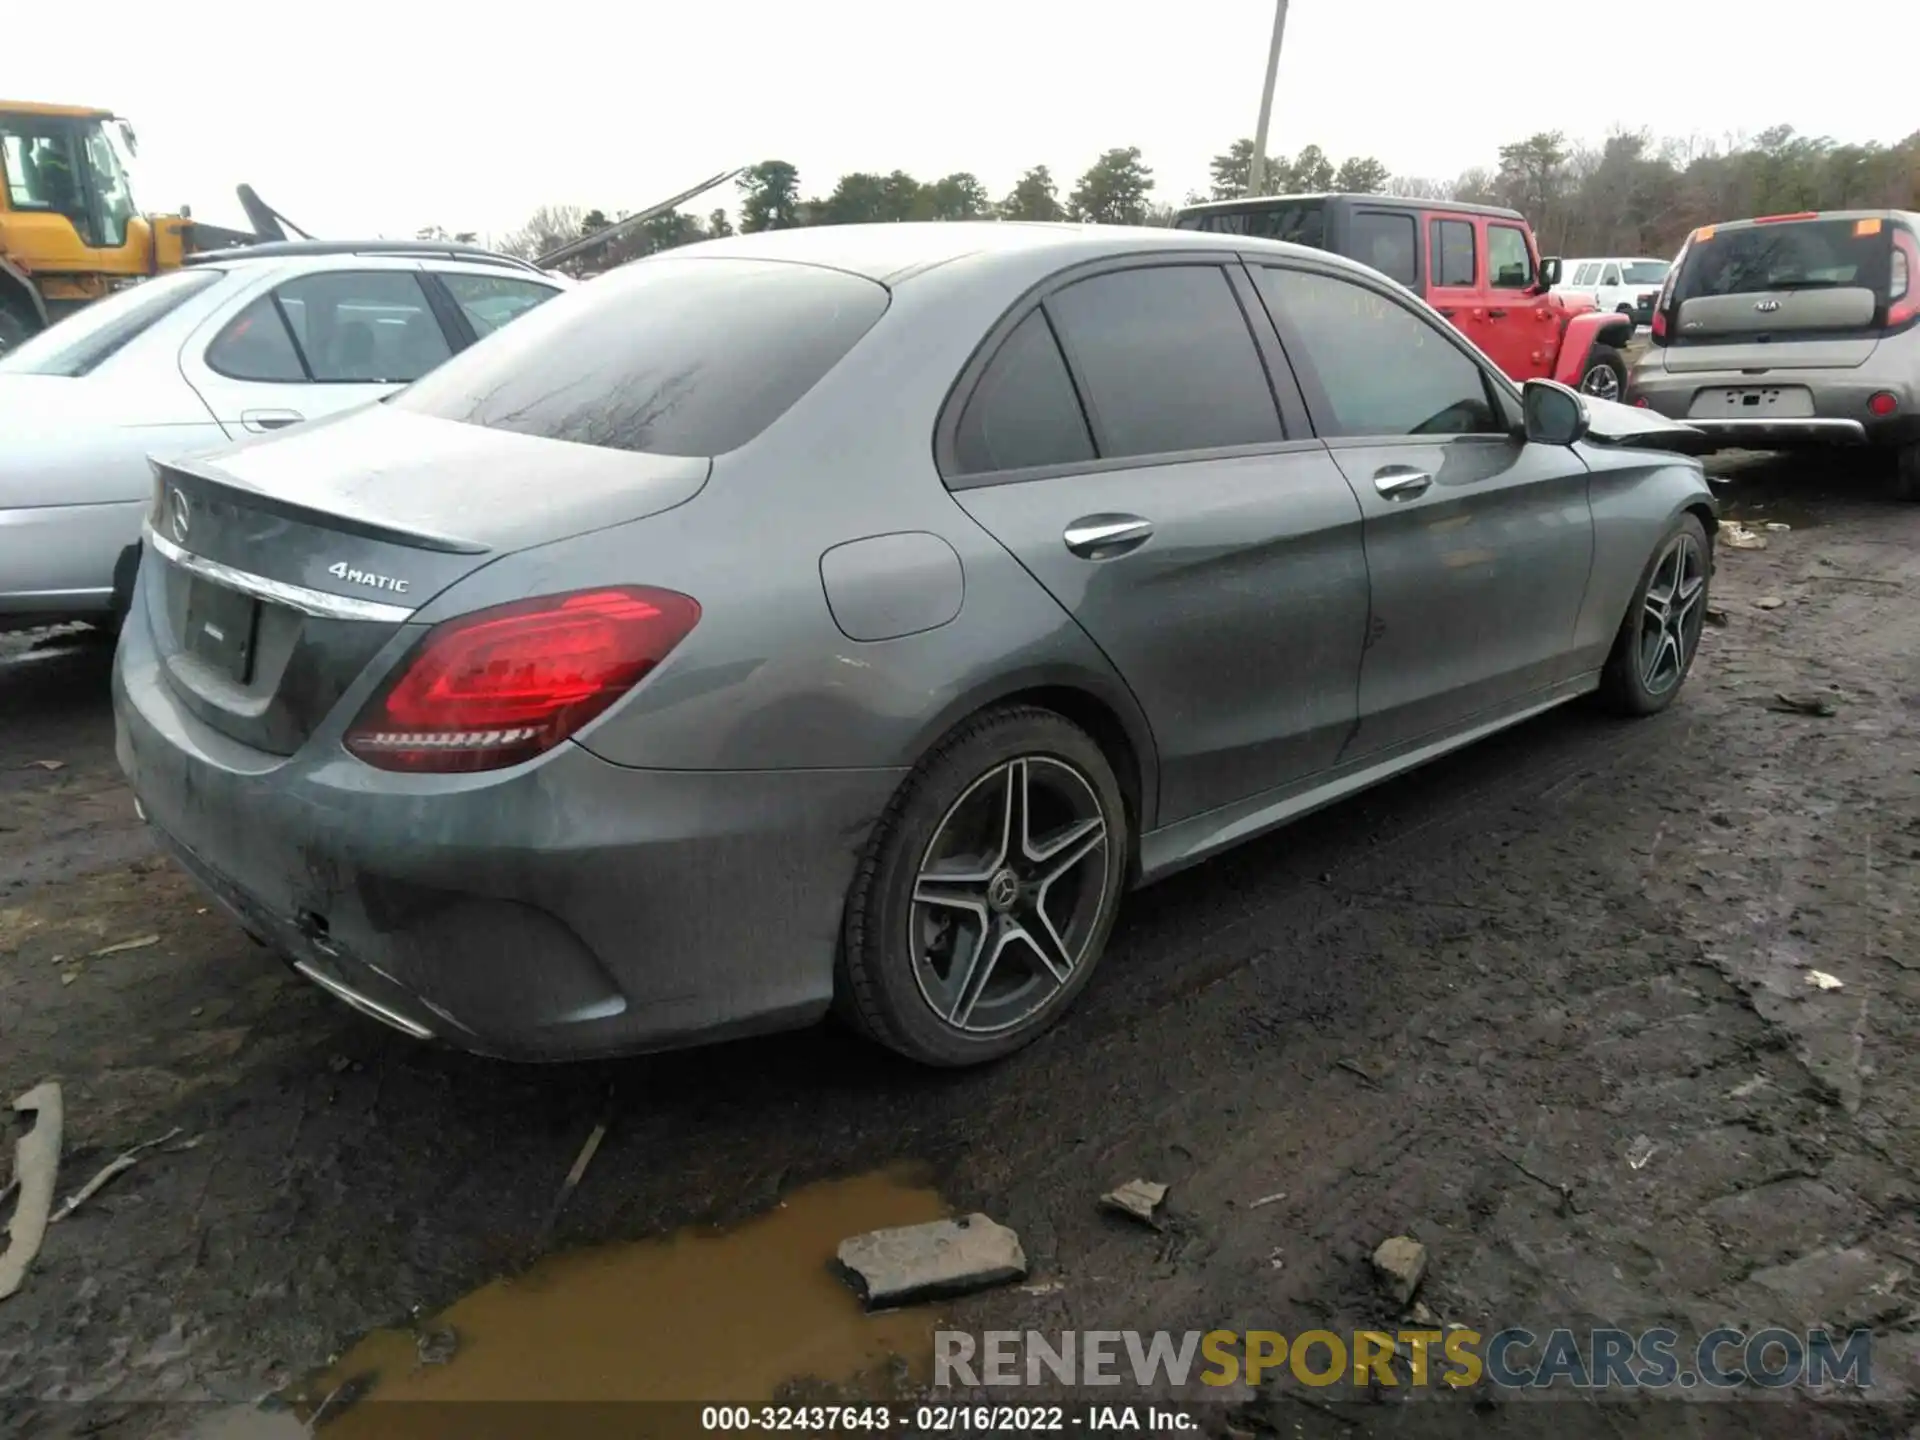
(1766, 307)
(178, 520)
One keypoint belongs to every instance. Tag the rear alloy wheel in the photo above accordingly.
(987, 894)
(1661, 633)
(1606, 374)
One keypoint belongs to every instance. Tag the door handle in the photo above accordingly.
(1496, 314)
(1398, 482)
(1447, 313)
(261, 421)
(1102, 537)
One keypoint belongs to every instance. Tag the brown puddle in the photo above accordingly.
(700, 1315)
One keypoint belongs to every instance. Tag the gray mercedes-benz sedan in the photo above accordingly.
(848, 617)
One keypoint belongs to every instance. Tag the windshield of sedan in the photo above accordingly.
(82, 341)
(1645, 272)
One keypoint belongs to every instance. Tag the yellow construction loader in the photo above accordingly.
(70, 231)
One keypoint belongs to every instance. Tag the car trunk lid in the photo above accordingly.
(1806, 293)
(284, 566)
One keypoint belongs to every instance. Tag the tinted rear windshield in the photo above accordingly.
(84, 339)
(670, 356)
(1303, 222)
(1787, 255)
(1644, 272)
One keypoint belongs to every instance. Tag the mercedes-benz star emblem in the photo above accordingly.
(178, 520)
(1766, 307)
(1003, 890)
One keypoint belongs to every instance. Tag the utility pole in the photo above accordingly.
(1257, 170)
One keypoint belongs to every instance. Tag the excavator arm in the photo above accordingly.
(574, 249)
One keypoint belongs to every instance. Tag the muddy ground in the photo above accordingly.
(1461, 1007)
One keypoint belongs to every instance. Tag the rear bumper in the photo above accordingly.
(1840, 406)
(563, 909)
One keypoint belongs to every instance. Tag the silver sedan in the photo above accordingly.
(240, 343)
(847, 618)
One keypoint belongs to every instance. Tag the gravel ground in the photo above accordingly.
(1461, 1007)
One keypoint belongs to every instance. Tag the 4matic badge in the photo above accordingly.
(340, 570)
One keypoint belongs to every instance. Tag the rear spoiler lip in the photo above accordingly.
(204, 477)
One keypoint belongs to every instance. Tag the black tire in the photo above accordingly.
(1605, 375)
(891, 943)
(1626, 685)
(16, 326)
(1906, 474)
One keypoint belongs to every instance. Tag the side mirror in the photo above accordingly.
(1550, 271)
(1555, 415)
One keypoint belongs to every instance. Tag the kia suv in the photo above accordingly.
(1793, 330)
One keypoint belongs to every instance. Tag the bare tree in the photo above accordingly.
(548, 228)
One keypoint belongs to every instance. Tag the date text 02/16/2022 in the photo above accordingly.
(942, 1419)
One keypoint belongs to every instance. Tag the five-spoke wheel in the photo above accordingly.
(1661, 632)
(988, 891)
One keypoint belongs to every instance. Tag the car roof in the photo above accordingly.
(1881, 214)
(360, 249)
(1385, 202)
(894, 253)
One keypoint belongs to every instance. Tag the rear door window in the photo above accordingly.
(1166, 361)
(669, 356)
(1454, 261)
(334, 327)
(1388, 241)
(1384, 370)
(1509, 261)
(1024, 413)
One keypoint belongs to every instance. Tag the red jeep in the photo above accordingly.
(1476, 264)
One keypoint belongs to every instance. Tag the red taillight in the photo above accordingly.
(1883, 403)
(1642, 402)
(501, 686)
(1903, 296)
(1660, 323)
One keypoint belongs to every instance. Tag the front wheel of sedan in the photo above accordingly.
(986, 895)
(1661, 633)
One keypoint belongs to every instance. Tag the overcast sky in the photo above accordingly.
(360, 118)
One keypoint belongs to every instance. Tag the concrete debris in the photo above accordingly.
(1640, 1151)
(1140, 1199)
(1819, 706)
(49, 764)
(1716, 617)
(112, 1168)
(1421, 1314)
(1268, 1199)
(1768, 602)
(139, 943)
(1778, 525)
(1739, 537)
(36, 1165)
(437, 1347)
(931, 1261)
(1401, 1264)
(1821, 980)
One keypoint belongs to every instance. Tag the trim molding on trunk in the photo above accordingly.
(278, 592)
